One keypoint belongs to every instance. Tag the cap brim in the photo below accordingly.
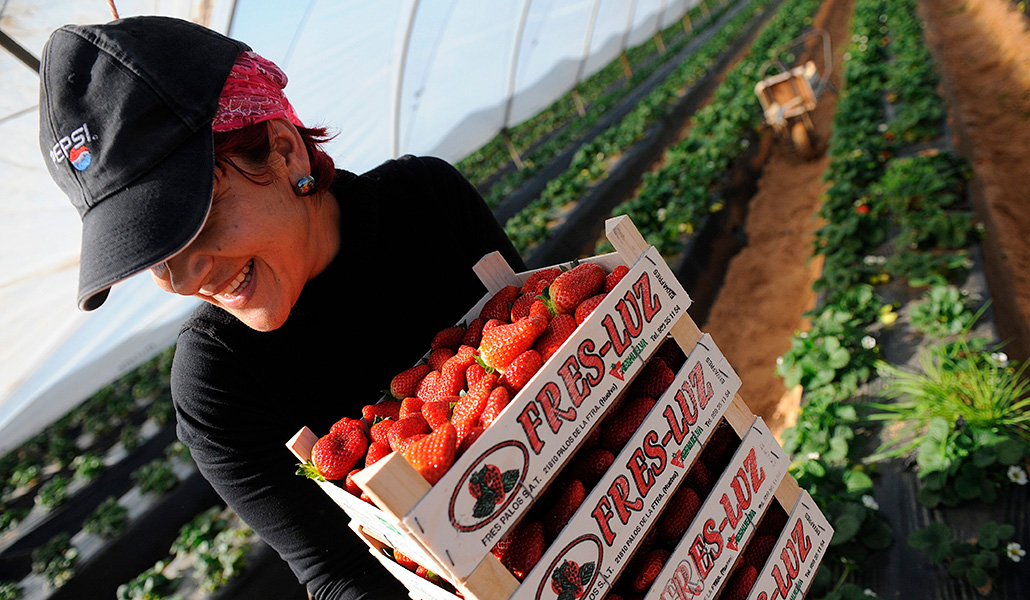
(144, 224)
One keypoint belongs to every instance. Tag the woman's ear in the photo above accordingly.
(286, 142)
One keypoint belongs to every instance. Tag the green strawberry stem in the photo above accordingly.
(308, 469)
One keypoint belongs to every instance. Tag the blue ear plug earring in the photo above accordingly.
(305, 185)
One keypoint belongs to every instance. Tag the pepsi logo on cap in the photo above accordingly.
(81, 158)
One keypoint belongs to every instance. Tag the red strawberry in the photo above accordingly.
(625, 423)
(407, 427)
(574, 286)
(448, 337)
(410, 406)
(587, 307)
(433, 455)
(474, 333)
(452, 377)
(402, 444)
(544, 276)
(406, 382)
(590, 464)
(700, 479)
(677, 515)
(644, 569)
(471, 405)
(376, 452)
(404, 561)
(501, 548)
(501, 344)
(539, 309)
(386, 409)
(499, 305)
(520, 371)
(559, 514)
(758, 550)
(613, 278)
(351, 487)
(487, 481)
(559, 329)
(334, 455)
(439, 412)
(740, 583)
(346, 424)
(773, 522)
(428, 389)
(672, 354)
(720, 447)
(498, 400)
(468, 433)
(437, 358)
(381, 429)
(520, 309)
(526, 548)
(653, 380)
(474, 373)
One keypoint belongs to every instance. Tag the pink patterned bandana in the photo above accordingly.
(253, 93)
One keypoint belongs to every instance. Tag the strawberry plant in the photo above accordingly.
(88, 466)
(10, 591)
(155, 477)
(53, 493)
(976, 561)
(943, 311)
(151, 584)
(9, 517)
(831, 355)
(55, 560)
(108, 520)
(220, 560)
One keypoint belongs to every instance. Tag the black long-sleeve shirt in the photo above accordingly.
(411, 229)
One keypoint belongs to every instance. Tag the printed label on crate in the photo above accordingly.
(595, 545)
(545, 423)
(702, 561)
(795, 558)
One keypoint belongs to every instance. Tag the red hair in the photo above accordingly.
(251, 144)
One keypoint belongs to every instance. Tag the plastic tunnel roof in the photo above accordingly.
(390, 77)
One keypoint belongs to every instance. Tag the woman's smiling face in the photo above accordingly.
(257, 249)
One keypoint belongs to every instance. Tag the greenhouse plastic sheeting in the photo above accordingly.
(389, 77)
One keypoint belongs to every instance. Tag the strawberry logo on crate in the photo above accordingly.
(484, 491)
(489, 486)
(567, 580)
(572, 573)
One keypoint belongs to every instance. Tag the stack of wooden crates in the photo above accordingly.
(548, 420)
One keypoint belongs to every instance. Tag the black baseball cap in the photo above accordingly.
(125, 129)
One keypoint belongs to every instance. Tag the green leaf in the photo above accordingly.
(484, 505)
(986, 560)
(878, 535)
(844, 529)
(1010, 452)
(934, 540)
(977, 577)
(509, 479)
(857, 481)
(586, 571)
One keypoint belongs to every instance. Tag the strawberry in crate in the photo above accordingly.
(438, 408)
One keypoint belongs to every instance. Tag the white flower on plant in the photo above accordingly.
(1015, 552)
(661, 214)
(803, 335)
(870, 502)
(869, 592)
(847, 56)
(868, 342)
(1000, 359)
(881, 127)
(862, 47)
(779, 360)
(812, 456)
(1017, 475)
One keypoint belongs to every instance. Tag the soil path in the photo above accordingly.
(768, 285)
(981, 47)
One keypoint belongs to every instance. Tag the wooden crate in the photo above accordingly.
(544, 425)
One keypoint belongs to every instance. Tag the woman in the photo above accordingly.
(184, 157)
